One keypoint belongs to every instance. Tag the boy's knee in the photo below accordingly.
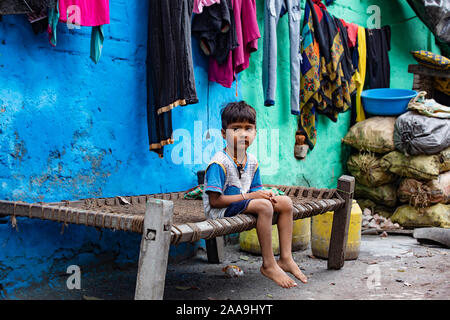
(285, 202)
(265, 206)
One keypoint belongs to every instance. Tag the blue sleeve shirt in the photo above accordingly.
(215, 180)
(256, 182)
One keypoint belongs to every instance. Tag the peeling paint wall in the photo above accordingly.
(71, 129)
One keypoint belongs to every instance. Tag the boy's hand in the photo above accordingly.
(263, 194)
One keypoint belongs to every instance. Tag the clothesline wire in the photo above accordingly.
(403, 21)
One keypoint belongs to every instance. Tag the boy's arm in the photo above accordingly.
(256, 188)
(215, 177)
(217, 200)
(215, 180)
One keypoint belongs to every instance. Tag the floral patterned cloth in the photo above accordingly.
(325, 85)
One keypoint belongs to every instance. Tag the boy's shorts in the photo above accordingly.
(236, 208)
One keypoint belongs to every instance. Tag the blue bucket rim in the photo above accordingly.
(412, 95)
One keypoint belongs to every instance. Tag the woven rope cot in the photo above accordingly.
(166, 218)
(111, 213)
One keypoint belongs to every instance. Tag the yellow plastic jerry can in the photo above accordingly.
(321, 233)
(301, 235)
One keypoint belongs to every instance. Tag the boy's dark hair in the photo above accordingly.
(238, 112)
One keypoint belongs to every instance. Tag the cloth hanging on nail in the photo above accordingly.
(326, 84)
(216, 30)
(200, 4)
(53, 18)
(247, 32)
(273, 12)
(86, 13)
(97, 38)
(319, 3)
(352, 31)
(170, 70)
(347, 65)
(378, 65)
(360, 74)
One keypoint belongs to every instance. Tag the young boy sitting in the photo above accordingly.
(233, 185)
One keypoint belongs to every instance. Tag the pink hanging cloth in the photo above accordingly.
(352, 31)
(320, 4)
(87, 13)
(247, 32)
(199, 4)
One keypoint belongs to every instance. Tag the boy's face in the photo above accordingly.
(239, 135)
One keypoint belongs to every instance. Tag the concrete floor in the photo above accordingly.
(396, 267)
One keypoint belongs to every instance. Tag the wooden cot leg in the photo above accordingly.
(154, 252)
(341, 220)
(215, 249)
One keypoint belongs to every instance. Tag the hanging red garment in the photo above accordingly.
(319, 3)
(352, 31)
(87, 13)
(247, 32)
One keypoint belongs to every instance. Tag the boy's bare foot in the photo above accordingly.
(276, 274)
(289, 265)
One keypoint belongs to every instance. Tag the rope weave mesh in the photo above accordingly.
(105, 213)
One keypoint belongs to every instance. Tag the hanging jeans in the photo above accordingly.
(273, 11)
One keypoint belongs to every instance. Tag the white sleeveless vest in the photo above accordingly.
(231, 180)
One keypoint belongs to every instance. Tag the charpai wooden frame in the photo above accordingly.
(158, 231)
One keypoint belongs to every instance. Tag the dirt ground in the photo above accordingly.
(391, 268)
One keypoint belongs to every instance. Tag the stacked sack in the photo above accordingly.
(422, 160)
(402, 169)
(376, 187)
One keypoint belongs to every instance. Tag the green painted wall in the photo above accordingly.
(323, 166)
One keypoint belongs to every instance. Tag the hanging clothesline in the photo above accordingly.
(324, 77)
(334, 71)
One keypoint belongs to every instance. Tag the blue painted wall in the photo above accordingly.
(71, 129)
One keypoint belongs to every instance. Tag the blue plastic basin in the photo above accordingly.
(386, 102)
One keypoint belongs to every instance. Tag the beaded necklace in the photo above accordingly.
(240, 166)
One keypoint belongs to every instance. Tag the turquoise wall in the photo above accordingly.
(326, 162)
